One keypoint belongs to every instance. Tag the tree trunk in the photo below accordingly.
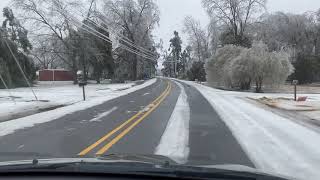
(85, 71)
(74, 72)
(75, 76)
(259, 85)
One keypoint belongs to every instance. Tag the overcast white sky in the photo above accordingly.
(174, 11)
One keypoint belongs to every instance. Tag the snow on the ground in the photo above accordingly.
(309, 108)
(11, 110)
(20, 101)
(274, 144)
(97, 94)
(174, 142)
(290, 104)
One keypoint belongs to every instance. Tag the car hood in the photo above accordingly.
(154, 160)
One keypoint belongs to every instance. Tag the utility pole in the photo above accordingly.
(172, 67)
(175, 65)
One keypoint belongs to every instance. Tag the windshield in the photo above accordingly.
(224, 83)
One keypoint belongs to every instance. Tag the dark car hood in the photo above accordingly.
(153, 160)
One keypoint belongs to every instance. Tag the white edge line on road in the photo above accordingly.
(174, 142)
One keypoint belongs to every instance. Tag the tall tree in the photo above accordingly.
(198, 38)
(185, 59)
(50, 18)
(94, 52)
(298, 33)
(235, 15)
(176, 47)
(134, 20)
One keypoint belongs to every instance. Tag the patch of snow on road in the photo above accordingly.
(21, 146)
(10, 127)
(174, 142)
(145, 94)
(147, 108)
(102, 115)
(275, 144)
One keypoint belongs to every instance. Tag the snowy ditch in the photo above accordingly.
(20, 112)
(174, 142)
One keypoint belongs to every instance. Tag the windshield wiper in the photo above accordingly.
(152, 159)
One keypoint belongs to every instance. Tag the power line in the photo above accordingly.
(123, 38)
(135, 52)
(82, 24)
(98, 34)
(123, 46)
(137, 47)
(128, 48)
(102, 36)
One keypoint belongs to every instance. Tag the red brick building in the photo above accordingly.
(55, 75)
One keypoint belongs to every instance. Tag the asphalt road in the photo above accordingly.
(131, 124)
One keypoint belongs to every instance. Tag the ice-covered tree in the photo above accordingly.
(218, 66)
(14, 49)
(299, 33)
(198, 38)
(135, 21)
(236, 16)
(238, 67)
(176, 48)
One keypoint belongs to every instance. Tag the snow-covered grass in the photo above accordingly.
(51, 95)
(284, 100)
(290, 104)
(174, 142)
(274, 144)
(97, 94)
(309, 108)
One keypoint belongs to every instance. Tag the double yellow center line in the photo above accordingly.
(134, 120)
